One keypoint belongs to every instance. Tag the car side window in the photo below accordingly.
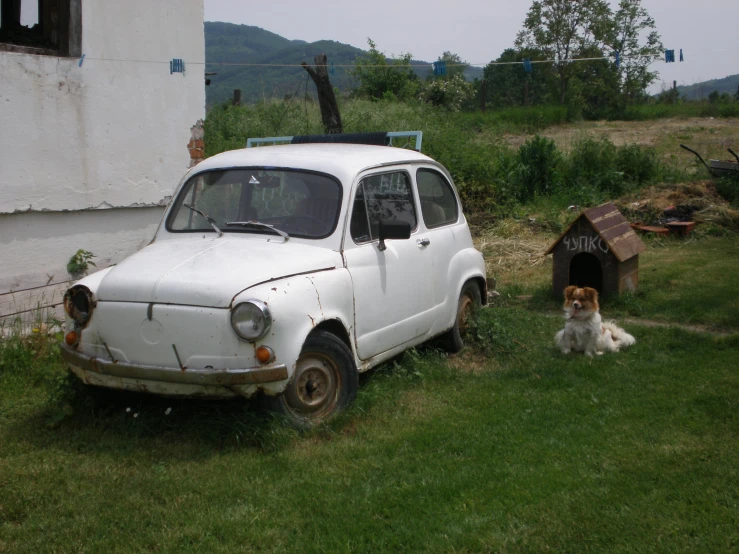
(383, 196)
(438, 202)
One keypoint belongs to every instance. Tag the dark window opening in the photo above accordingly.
(382, 196)
(438, 203)
(52, 27)
(586, 271)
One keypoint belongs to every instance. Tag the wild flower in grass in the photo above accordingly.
(128, 410)
(168, 411)
(136, 414)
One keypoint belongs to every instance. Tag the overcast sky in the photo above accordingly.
(480, 30)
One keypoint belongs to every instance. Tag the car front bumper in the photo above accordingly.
(170, 380)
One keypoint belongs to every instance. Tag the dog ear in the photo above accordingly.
(569, 291)
(591, 294)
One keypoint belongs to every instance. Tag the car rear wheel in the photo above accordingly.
(324, 383)
(469, 300)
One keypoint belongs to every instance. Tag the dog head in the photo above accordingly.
(580, 302)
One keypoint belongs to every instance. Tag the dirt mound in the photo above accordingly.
(663, 204)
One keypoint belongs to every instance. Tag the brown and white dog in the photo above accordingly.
(584, 330)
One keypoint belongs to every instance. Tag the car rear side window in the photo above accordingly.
(438, 202)
(383, 196)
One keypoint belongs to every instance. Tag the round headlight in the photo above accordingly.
(79, 303)
(251, 320)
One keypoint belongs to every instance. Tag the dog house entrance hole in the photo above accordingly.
(586, 271)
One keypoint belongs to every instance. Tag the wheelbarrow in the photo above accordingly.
(719, 168)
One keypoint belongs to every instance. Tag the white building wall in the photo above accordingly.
(109, 136)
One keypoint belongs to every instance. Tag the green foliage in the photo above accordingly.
(631, 31)
(489, 175)
(80, 262)
(379, 77)
(728, 188)
(538, 169)
(565, 30)
(449, 94)
(509, 85)
(455, 66)
(638, 165)
(494, 331)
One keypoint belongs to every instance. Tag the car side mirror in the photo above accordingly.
(393, 229)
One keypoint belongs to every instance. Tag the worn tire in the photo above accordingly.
(469, 300)
(324, 383)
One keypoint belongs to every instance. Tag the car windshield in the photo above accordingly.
(299, 203)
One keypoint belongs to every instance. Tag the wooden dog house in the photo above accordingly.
(599, 250)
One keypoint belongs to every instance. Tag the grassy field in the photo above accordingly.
(507, 447)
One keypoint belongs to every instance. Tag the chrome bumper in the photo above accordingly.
(202, 377)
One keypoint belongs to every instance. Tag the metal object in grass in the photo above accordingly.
(718, 168)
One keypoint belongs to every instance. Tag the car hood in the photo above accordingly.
(209, 272)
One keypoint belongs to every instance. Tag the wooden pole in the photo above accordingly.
(237, 97)
(326, 97)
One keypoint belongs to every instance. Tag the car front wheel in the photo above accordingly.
(469, 301)
(324, 383)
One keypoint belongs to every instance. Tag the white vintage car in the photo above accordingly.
(282, 269)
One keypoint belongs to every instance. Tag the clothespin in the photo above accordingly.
(618, 59)
(527, 65)
(176, 66)
(682, 59)
(82, 59)
(669, 56)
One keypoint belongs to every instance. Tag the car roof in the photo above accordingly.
(342, 160)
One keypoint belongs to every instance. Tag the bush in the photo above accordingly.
(638, 165)
(537, 169)
(449, 94)
(593, 163)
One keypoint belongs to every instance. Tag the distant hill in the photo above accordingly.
(700, 91)
(246, 44)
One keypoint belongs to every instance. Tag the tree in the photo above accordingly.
(714, 97)
(508, 84)
(561, 29)
(454, 66)
(379, 77)
(597, 85)
(632, 32)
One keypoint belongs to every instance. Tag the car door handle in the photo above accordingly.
(422, 243)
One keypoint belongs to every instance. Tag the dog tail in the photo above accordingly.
(558, 337)
(620, 337)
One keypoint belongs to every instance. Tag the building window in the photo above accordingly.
(47, 27)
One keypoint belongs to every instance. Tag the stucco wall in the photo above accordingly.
(109, 133)
(112, 133)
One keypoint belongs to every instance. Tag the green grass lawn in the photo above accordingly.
(687, 282)
(507, 447)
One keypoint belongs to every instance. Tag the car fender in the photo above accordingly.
(298, 305)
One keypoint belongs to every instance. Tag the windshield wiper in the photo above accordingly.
(207, 218)
(259, 224)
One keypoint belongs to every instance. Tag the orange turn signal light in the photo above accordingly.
(71, 338)
(265, 354)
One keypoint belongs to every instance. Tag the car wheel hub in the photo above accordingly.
(315, 385)
(463, 313)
